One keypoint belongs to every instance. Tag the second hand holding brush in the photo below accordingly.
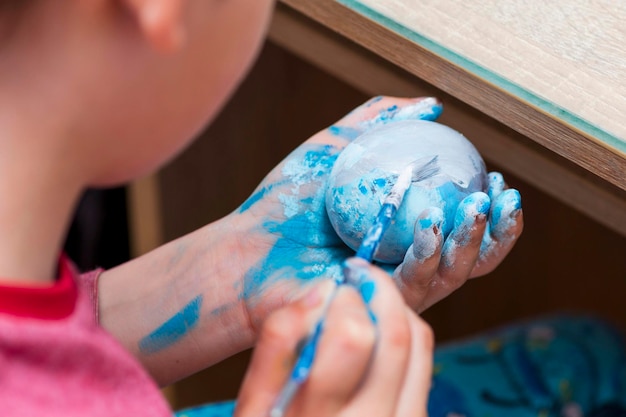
(417, 171)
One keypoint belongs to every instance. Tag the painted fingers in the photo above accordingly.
(381, 110)
(374, 356)
(506, 222)
(487, 225)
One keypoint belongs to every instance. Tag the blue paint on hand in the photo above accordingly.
(253, 199)
(302, 368)
(473, 205)
(367, 289)
(345, 132)
(306, 245)
(174, 329)
(425, 223)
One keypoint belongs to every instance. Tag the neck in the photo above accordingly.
(38, 196)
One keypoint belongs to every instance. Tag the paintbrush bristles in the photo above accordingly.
(424, 171)
(402, 184)
(416, 171)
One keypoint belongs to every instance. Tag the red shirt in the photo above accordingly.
(56, 361)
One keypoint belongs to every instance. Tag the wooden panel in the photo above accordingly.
(497, 143)
(144, 215)
(594, 155)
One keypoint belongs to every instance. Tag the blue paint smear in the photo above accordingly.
(254, 198)
(362, 188)
(425, 223)
(174, 329)
(464, 213)
(380, 182)
(345, 132)
(374, 100)
(307, 246)
(367, 290)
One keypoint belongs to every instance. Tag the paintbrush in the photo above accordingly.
(418, 170)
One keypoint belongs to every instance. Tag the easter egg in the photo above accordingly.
(366, 170)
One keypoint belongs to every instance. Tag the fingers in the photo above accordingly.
(379, 393)
(381, 110)
(495, 185)
(274, 354)
(345, 351)
(461, 248)
(341, 360)
(486, 228)
(414, 395)
(422, 259)
(506, 222)
(374, 356)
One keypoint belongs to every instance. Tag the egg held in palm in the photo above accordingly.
(367, 168)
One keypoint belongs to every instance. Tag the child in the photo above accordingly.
(96, 93)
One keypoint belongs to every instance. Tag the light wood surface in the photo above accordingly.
(588, 148)
(373, 75)
(566, 53)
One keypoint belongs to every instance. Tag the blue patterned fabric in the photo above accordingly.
(223, 409)
(565, 366)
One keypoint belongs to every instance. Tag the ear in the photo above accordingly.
(160, 21)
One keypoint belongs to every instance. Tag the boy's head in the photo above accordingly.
(116, 87)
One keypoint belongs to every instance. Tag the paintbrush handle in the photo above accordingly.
(302, 368)
(299, 373)
(375, 233)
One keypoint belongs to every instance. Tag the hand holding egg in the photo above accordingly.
(367, 168)
(309, 214)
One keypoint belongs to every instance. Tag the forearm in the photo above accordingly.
(178, 308)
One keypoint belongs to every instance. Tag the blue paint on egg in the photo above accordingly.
(382, 154)
(174, 329)
(380, 182)
(362, 188)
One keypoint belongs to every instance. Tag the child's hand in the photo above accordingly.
(289, 236)
(362, 368)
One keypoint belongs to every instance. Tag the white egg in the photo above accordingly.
(367, 168)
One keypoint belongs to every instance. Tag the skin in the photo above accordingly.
(170, 77)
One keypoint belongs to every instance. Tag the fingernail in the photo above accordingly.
(474, 207)
(506, 213)
(496, 184)
(431, 218)
(510, 201)
(426, 240)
